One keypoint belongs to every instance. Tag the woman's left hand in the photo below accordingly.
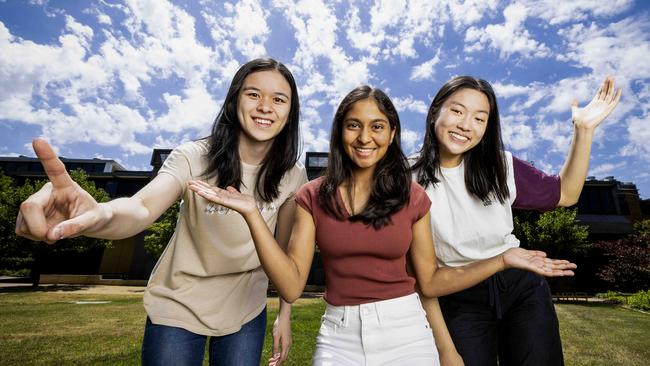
(281, 341)
(603, 103)
(536, 261)
(229, 197)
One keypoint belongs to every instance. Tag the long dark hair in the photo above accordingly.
(485, 163)
(391, 182)
(223, 154)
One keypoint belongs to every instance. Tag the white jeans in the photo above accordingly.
(388, 332)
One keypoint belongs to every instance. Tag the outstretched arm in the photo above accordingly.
(288, 271)
(62, 209)
(585, 121)
(434, 281)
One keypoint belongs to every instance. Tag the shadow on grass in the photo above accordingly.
(589, 304)
(18, 288)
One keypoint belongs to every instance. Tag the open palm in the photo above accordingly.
(591, 115)
(229, 197)
(536, 261)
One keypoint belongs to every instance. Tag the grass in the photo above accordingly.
(48, 328)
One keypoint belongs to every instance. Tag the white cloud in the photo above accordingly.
(508, 38)
(411, 141)
(426, 70)
(515, 133)
(606, 169)
(559, 12)
(408, 103)
(558, 133)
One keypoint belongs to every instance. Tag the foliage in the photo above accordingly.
(17, 253)
(639, 300)
(162, 231)
(628, 260)
(554, 232)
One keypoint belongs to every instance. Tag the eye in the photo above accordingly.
(352, 125)
(253, 95)
(378, 127)
(480, 120)
(456, 111)
(279, 100)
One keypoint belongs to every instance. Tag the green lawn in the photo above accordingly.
(48, 328)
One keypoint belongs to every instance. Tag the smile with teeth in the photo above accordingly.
(456, 136)
(263, 122)
(364, 151)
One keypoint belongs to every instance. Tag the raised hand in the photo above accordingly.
(61, 208)
(603, 103)
(229, 197)
(536, 261)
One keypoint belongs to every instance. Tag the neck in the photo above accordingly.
(450, 161)
(252, 152)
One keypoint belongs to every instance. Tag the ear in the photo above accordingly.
(392, 135)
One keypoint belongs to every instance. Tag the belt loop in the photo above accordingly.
(346, 315)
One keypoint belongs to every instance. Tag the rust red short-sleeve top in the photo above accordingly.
(363, 264)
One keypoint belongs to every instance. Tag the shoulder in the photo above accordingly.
(193, 149)
(297, 174)
(311, 188)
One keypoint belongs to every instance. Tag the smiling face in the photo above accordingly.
(263, 106)
(461, 124)
(366, 134)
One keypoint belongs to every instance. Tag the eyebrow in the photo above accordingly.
(259, 90)
(372, 121)
(462, 105)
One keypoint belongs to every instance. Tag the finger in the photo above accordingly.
(232, 189)
(285, 352)
(74, 227)
(33, 221)
(54, 167)
(22, 230)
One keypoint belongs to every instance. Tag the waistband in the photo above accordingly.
(341, 314)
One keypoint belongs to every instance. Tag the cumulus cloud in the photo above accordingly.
(509, 38)
(425, 71)
(559, 12)
(408, 103)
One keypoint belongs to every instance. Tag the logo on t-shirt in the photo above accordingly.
(214, 208)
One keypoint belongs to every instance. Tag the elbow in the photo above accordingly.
(567, 200)
(429, 291)
(290, 295)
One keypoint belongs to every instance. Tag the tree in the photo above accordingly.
(17, 254)
(161, 231)
(627, 266)
(554, 232)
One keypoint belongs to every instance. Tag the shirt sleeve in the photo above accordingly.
(305, 197)
(177, 164)
(419, 201)
(535, 189)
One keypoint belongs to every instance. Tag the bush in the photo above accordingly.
(640, 300)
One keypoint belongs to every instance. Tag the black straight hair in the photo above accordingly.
(485, 163)
(223, 154)
(391, 182)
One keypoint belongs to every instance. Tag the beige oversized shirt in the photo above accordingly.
(209, 279)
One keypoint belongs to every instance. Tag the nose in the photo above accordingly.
(464, 122)
(264, 105)
(364, 136)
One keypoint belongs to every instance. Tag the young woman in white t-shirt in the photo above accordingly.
(472, 184)
(208, 282)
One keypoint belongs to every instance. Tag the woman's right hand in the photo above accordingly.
(230, 197)
(61, 209)
(536, 261)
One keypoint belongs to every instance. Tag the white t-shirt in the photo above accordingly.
(466, 229)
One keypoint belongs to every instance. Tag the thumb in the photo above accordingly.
(73, 227)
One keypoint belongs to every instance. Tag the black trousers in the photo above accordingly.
(509, 317)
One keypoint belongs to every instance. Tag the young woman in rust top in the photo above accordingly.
(369, 220)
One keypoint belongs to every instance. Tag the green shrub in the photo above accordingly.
(640, 300)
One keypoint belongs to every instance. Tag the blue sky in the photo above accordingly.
(115, 79)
